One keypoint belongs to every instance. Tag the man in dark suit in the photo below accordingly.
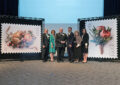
(45, 45)
(70, 43)
(61, 39)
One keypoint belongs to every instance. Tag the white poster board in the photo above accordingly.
(107, 29)
(18, 38)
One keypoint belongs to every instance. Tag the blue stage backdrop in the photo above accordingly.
(61, 11)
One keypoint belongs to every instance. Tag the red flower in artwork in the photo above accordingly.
(105, 33)
(101, 28)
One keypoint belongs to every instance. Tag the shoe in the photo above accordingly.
(76, 61)
(84, 61)
(44, 61)
(71, 61)
(58, 61)
(62, 60)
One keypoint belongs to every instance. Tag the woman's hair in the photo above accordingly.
(53, 31)
(76, 32)
(85, 30)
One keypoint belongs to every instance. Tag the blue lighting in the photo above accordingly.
(61, 11)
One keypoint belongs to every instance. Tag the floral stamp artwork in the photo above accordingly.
(20, 38)
(102, 38)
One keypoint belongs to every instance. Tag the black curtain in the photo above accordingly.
(9, 7)
(111, 7)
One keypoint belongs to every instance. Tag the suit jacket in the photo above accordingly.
(45, 40)
(60, 37)
(70, 39)
(85, 39)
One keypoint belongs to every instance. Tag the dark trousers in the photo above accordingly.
(70, 53)
(45, 52)
(60, 53)
(77, 53)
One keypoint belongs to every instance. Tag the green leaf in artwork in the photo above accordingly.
(109, 29)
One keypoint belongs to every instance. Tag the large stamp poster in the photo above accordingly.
(18, 38)
(102, 38)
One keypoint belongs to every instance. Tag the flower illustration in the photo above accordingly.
(101, 35)
(19, 39)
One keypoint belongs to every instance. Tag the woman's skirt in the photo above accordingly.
(77, 53)
(84, 49)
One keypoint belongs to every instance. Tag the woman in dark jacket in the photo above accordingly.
(77, 46)
(85, 44)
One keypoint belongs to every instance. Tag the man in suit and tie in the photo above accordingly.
(61, 39)
(45, 45)
(70, 43)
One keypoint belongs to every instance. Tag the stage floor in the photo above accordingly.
(36, 72)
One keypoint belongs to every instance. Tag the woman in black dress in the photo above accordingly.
(77, 46)
(85, 44)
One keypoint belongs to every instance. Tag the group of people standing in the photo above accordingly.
(77, 46)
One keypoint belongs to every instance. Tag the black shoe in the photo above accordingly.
(62, 60)
(44, 61)
(58, 60)
(71, 61)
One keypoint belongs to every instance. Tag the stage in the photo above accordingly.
(36, 72)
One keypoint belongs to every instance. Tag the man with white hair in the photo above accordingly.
(61, 39)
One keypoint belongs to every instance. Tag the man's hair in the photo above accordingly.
(69, 27)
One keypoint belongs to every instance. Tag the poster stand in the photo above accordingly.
(83, 22)
(15, 21)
